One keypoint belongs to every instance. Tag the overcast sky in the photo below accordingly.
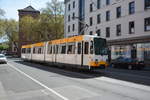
(11, 6)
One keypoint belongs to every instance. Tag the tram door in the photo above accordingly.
(54, 53)
(79, 55)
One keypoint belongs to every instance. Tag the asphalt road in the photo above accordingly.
(29, 81)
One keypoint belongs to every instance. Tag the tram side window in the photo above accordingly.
(73, 49)
(54, 51)
(63, 50)
(49, 49)
(69, 49)
(28, 50)
(86, 47)
(23, 50)
(91, 47)
(39, 50)
(57, 49)
(79, 48)
(34, 50)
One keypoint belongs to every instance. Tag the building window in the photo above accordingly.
(91, 7)
(107, 15)
(118, 12)
(91, 21)
(147, 4)
(91, 33)
(98, 18)
(131, 27)
(118, 30)
(98, 4)
(69, 7)
(107, 32)
(69, 28)
(132, 7)
(98, 32)
(147, 24)
(107, 2)
(73, 27)
(73, 16)
(69, 18)
(73, 4)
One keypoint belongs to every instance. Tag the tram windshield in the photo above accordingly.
(100, 46)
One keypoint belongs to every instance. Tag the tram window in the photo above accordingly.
(63, 50)
(69, 49)
(79, 48)
(57, 49)
(23, 50)
(54, 49)
(51, 49)
(73, 49)
(86, 47)
(28, 50)
(34, 50)
(91, 47)
(39, 50)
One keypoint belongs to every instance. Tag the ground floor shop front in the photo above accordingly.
(136, 49)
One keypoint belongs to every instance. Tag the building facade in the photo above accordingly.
(124, 23)
(28, 11)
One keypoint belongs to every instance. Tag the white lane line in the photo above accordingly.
(124, 83)
(36, 81)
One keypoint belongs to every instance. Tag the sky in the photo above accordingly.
(11, 6)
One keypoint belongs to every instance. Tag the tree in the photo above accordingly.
(26, 26)
(56, 13)
(48, 26)
(9, 28)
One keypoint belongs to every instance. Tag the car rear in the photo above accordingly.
(3, 59)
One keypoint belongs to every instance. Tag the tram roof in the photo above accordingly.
(61, 41)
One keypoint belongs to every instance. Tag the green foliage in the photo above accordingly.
(4, 47)
(10, 29)
(49, 25)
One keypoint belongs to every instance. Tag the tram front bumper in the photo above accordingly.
(101, 64)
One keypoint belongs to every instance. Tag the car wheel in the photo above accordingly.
(130, 67)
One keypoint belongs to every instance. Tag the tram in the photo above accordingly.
(85, 51)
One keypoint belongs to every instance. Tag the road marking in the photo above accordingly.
(36, 81)
(124, 83)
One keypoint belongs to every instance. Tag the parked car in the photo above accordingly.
(122, 62)
(3, 58)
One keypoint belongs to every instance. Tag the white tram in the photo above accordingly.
(83, 51)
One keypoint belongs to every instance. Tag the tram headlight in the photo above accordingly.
(96, 60)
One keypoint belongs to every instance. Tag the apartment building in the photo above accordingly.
(124, 23)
